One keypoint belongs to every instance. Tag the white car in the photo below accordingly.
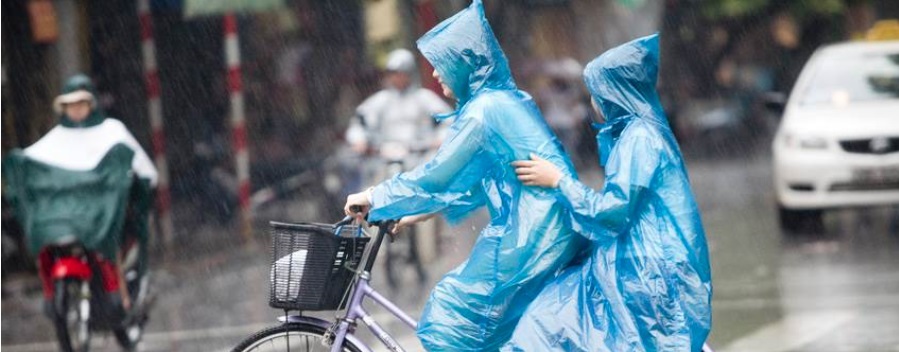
(838, 141)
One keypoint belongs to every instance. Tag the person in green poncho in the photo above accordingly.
(81, 179)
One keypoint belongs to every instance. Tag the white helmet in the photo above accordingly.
(400, 60)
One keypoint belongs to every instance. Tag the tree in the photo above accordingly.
(718, 29)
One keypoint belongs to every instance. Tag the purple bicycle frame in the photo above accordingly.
(356, 311)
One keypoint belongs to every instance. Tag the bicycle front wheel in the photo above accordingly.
(291, 337)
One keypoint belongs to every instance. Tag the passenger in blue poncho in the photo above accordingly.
(647, 285)
(476, 306)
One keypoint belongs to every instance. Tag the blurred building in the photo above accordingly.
(298, 59)
(307, 63)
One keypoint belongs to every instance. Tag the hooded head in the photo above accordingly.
(622, 81)
(466, 54)
(78, 88)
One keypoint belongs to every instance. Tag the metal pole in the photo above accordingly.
(70, 60)
(154, 104)
(238, 127)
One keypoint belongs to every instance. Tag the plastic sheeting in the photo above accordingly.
(78, 181)
(54, 204)
(647, 285)
(476, 306)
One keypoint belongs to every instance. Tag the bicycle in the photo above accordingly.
(323, 261)
(300, 252)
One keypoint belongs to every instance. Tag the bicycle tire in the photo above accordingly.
(66, 301)
(255, 342)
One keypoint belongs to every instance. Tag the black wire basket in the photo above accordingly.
(313, 265)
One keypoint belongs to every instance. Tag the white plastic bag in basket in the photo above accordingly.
(290, 271)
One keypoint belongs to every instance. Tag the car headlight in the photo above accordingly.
(804, 142)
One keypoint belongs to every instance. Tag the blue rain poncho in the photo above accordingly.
(647, 285)
(476, 306)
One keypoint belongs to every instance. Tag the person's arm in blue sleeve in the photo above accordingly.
(445, 181)
(609, 211)
(462, 207)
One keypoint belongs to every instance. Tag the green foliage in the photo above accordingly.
(721, 9)
(632, 3)
(817, 7)
(726, 9)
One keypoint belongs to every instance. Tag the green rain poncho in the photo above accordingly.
(476, 306)
(77, 182)
(647, 285)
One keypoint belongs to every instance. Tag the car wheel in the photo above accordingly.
(800, 221)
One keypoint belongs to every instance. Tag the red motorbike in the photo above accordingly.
(82, 292)
(88, 231)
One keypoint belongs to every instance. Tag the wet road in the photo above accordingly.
(831, 291)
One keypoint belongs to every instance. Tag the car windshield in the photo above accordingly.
(842, 79)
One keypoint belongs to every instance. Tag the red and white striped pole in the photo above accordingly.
(238, 127)
(154, 104)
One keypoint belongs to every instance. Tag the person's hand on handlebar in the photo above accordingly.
(358, 204)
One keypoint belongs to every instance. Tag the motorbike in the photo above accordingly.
(88, 233)
(82, 294)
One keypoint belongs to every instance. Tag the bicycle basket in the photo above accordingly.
(309, 265)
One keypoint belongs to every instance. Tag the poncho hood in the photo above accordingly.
(622, 81)
(78, 88)
(466, 54)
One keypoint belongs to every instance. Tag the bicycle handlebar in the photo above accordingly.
(346, 221)
(383, 225)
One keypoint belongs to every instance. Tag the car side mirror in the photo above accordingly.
(775, 102)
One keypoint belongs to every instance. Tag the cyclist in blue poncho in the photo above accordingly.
(647, 285)
(476, 306)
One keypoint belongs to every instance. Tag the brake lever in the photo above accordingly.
(346, 221)
(384, 226)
